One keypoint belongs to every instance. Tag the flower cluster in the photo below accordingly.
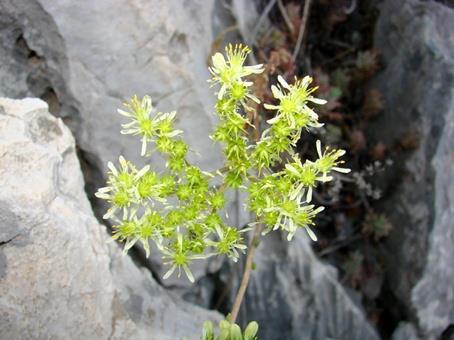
(282, 199)
(182, 209)
(233, 96)
(149, 128)
(230, 73)
(293, 116)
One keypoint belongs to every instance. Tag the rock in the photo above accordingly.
(33, 59)
(433, 295)
(405, 331)
(140, 47)
(292, 295)
(59, 278)
(416, 42)
(86, 68)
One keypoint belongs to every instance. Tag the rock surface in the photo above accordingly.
(86, 68)
(59, 278)
(416, 41)
(294, 296)
(433, 295)
(118, 50)
(405, 331)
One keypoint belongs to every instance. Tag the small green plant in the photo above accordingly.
(353, 268)
(181, 210)
(377, 225)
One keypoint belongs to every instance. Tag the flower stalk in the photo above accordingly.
(246, 273)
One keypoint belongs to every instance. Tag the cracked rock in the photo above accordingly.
(59, 278)
(416, 41)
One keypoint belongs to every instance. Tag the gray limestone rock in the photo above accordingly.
(405, 331)
(417, 44)
(138, 47)
(59, 278)
(433, 295)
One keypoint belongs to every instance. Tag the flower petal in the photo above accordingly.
(142, 172)
(317, 100)
(169, 272)
(276, 92)
(112, 168)
(283, 82)
(318, 143)
(270, 107)
(188, 273)
(273, 120)
(218, 61)
(309, 195)
(342, 170)
(144, 146)
(311, 234)
(124, 113)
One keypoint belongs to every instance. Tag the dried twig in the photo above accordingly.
(307, 5)
(284, 13)
(349, 10)
(339, 245)
(251, 40)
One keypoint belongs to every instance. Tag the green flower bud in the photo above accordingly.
(147, 185)
(184, 192)
(251, 330)
(217, 200)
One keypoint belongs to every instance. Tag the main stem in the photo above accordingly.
(254, 241)
(246, 274)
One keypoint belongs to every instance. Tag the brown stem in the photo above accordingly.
(246, 274)
(284, 13)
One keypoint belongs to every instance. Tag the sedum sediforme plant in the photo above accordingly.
(181, 210)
